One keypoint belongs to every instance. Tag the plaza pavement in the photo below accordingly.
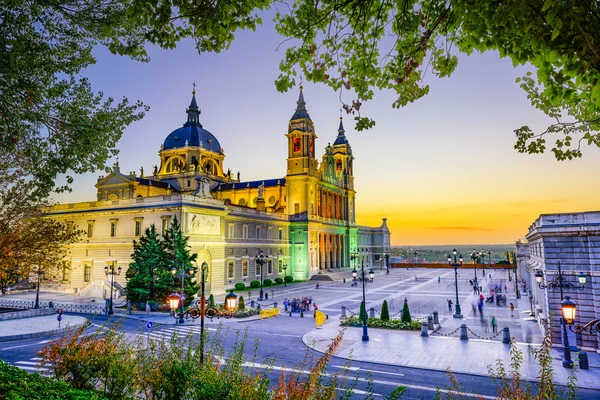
(32, 327)
(442, 350)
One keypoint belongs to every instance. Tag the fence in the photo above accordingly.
(67, 307)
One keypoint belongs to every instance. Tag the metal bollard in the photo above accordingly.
(430, 322)
(505, 335)
(436, 318)
(463, 332)
(343, 316)
(251, 303)
(258, 307)
(424, 329)
(274, 304)
(371, 312)
(583, 360)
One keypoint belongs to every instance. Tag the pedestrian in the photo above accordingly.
(480, 307)
(449, 305)
(505, 288)
(494, 325)
(486, 324)
(438, 279)
(316, 307)
(474, 306)
(512, 309)
(285, 304)
(317, 285)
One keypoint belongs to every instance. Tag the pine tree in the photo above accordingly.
(363, 312)
(406, 312)
(148, 277)
(241, 305)
(178, 255)
(211, 300)
(385, 312)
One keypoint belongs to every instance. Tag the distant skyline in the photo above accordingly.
(442, 170)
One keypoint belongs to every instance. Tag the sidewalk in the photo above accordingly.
(408, 348)
(32, 327)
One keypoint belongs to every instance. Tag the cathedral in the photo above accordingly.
(304, 221)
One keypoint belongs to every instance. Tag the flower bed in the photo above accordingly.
(377, 323)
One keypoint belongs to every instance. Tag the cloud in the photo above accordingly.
(461, 228)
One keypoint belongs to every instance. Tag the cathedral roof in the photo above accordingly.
(251, 184)
(192, 133)
(341, 137)
(301, 109)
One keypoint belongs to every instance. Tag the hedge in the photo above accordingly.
(267, 282)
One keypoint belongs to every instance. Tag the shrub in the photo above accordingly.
(279, 281)
(240, 286)
(378, 323)
(385, 312)
(267, 282)
(241, 305)
(289, 279)
(405, 312)
(255, 284)
(362, 310)
(211, 300)
(19, 384)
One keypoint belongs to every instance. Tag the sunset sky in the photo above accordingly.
(442, 170)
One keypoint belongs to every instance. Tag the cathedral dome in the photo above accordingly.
(192, 133)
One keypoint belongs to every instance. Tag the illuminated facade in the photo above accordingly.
(305, 220)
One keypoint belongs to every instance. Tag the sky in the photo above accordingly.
(442, 170)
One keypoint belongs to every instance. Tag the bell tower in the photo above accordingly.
(301, 142)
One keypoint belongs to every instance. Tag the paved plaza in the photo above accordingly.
(425, 294)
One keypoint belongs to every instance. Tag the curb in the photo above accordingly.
(34, 335)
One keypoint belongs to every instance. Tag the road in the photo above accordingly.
(283, 341)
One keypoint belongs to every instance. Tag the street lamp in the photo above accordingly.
(568, 311)
(40, 272)
(284, 268)
(173, 302)
(560, 283)
(353, 256)
(230, 301)
(474, 256)
(452, 262)
(203, 276)
(489, 253)
(516, 282)
(110, 270)
(182, 274)
(365, 336)
(415, 254)
(387, 260)
(261, 259)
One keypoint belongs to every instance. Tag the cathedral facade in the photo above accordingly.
(305, 221)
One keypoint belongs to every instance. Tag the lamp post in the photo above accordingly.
(474, 256)
(454, 264)
(560, 283)
(568, 311)
(387, 260)
(182, 274)
(40, 272)
(284, 268)
(261, 259)
(203, 276)
(518, 294)
(415, 254)
(110, 270)
(365, 335)
(489, 253)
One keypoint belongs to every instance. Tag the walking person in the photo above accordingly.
(494, 325)
(449, 305)
(474, 308)
(512, 309)
(438, 279)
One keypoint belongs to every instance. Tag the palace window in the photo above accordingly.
(257, 268)
(244, 268)
(230, 269)
(269, 232)
(269, 267)
(113, 228)
(258, 232)
(87, 273)
(280, 266)
(90, 229)
(231, 231)
(66, 275)
(138, 227)
(280, 234)
(165, 224)
(245, 232)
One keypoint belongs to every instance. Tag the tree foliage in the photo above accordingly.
(405, 312)
(178, 256)
(385, 312)
(148, 276)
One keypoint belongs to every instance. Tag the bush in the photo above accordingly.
(19, 384)
(378, 323)
(279, 281)
(267, 282)
(241, 305)
(289, 279)
(406, 312)
(385, 312)
(255, 284)
(240, 286)
(211, 300)
(362, 310)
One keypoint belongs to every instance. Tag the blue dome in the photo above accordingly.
(194, 134)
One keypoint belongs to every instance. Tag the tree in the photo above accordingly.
(405, 312)
(385, 312)
(241, 304)
(362, 312)
(211, 300)
(361, 46)
(148, 276)
(178, 256)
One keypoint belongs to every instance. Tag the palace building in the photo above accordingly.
(305, 221)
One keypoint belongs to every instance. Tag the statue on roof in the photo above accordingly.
(141, 172)
(261, 189)
(155, 172)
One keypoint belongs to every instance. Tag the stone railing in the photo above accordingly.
(67, 307)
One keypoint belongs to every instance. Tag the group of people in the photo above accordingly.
(297, 304)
